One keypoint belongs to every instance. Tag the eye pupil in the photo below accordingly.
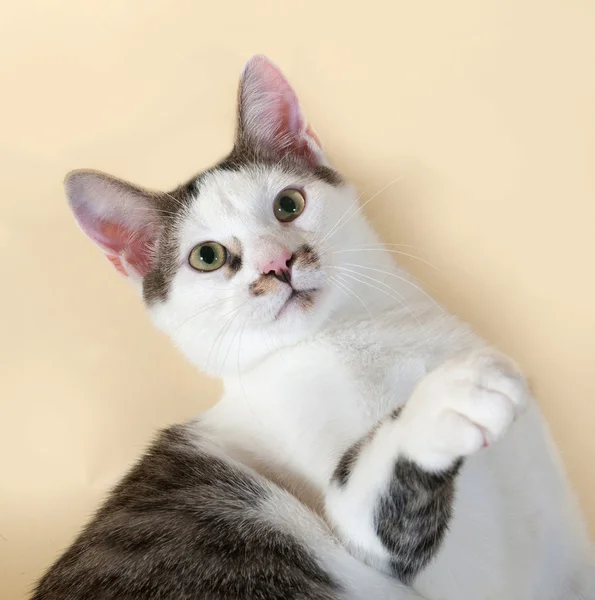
(207, 254)
(287, 204)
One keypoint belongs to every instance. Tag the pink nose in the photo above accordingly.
(277, 265)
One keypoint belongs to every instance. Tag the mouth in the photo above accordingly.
(303, 298)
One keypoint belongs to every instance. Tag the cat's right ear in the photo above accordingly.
(121, 218)
(271, 121)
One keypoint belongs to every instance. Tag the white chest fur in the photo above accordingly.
(294, 415)
(304, 405)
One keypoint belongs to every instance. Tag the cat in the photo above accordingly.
(367, 444)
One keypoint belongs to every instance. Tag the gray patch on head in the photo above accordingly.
(234, 258)
(305, 299)
(185, 523)
(234, 264)
(172, 207)
(265, 284)
(243, 156)
(305, 256)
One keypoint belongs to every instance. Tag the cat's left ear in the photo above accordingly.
(124, 220)
(270, 118)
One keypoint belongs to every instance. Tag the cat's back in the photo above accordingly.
(185, 523)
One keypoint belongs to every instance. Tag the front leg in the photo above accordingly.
(390, 498)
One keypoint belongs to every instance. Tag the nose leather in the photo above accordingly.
(276, 263)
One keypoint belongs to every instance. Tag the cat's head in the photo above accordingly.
(238, 261)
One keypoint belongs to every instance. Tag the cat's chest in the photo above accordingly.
(314, 401)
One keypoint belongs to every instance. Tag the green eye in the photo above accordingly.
(289, 205)
(209, 256)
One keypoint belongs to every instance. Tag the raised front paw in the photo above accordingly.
(464, 405)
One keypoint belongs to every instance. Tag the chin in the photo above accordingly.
(278, 324)
(302, 315)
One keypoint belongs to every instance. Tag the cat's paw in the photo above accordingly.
(464, 405)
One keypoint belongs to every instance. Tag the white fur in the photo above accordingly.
(301, 389)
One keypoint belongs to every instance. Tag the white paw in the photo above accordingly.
(464, 405)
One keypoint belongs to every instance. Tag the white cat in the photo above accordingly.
(350, 395)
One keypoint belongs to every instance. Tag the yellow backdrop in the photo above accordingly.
(484, 110)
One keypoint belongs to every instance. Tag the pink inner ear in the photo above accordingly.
(117, 264)
(122, 219)
(122, 245)
(132, 247)
(272, 115)
(286, 104)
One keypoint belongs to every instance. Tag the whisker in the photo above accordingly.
(239, 347)
(376, 280)
(356, 296)
(383, 244)
(209, 306)
(380, 191)
(401, 279)
(282, 452)
(394, 298)
(379, 246)
(423, 260)
(218, 339)
(340, 219)
(364, 282)
(316, 235)
(241, 326)
(335, 282)
(419, 249)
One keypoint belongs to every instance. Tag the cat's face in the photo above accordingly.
(239, 261)
(251, 268)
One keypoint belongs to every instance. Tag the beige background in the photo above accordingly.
(487, 110)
